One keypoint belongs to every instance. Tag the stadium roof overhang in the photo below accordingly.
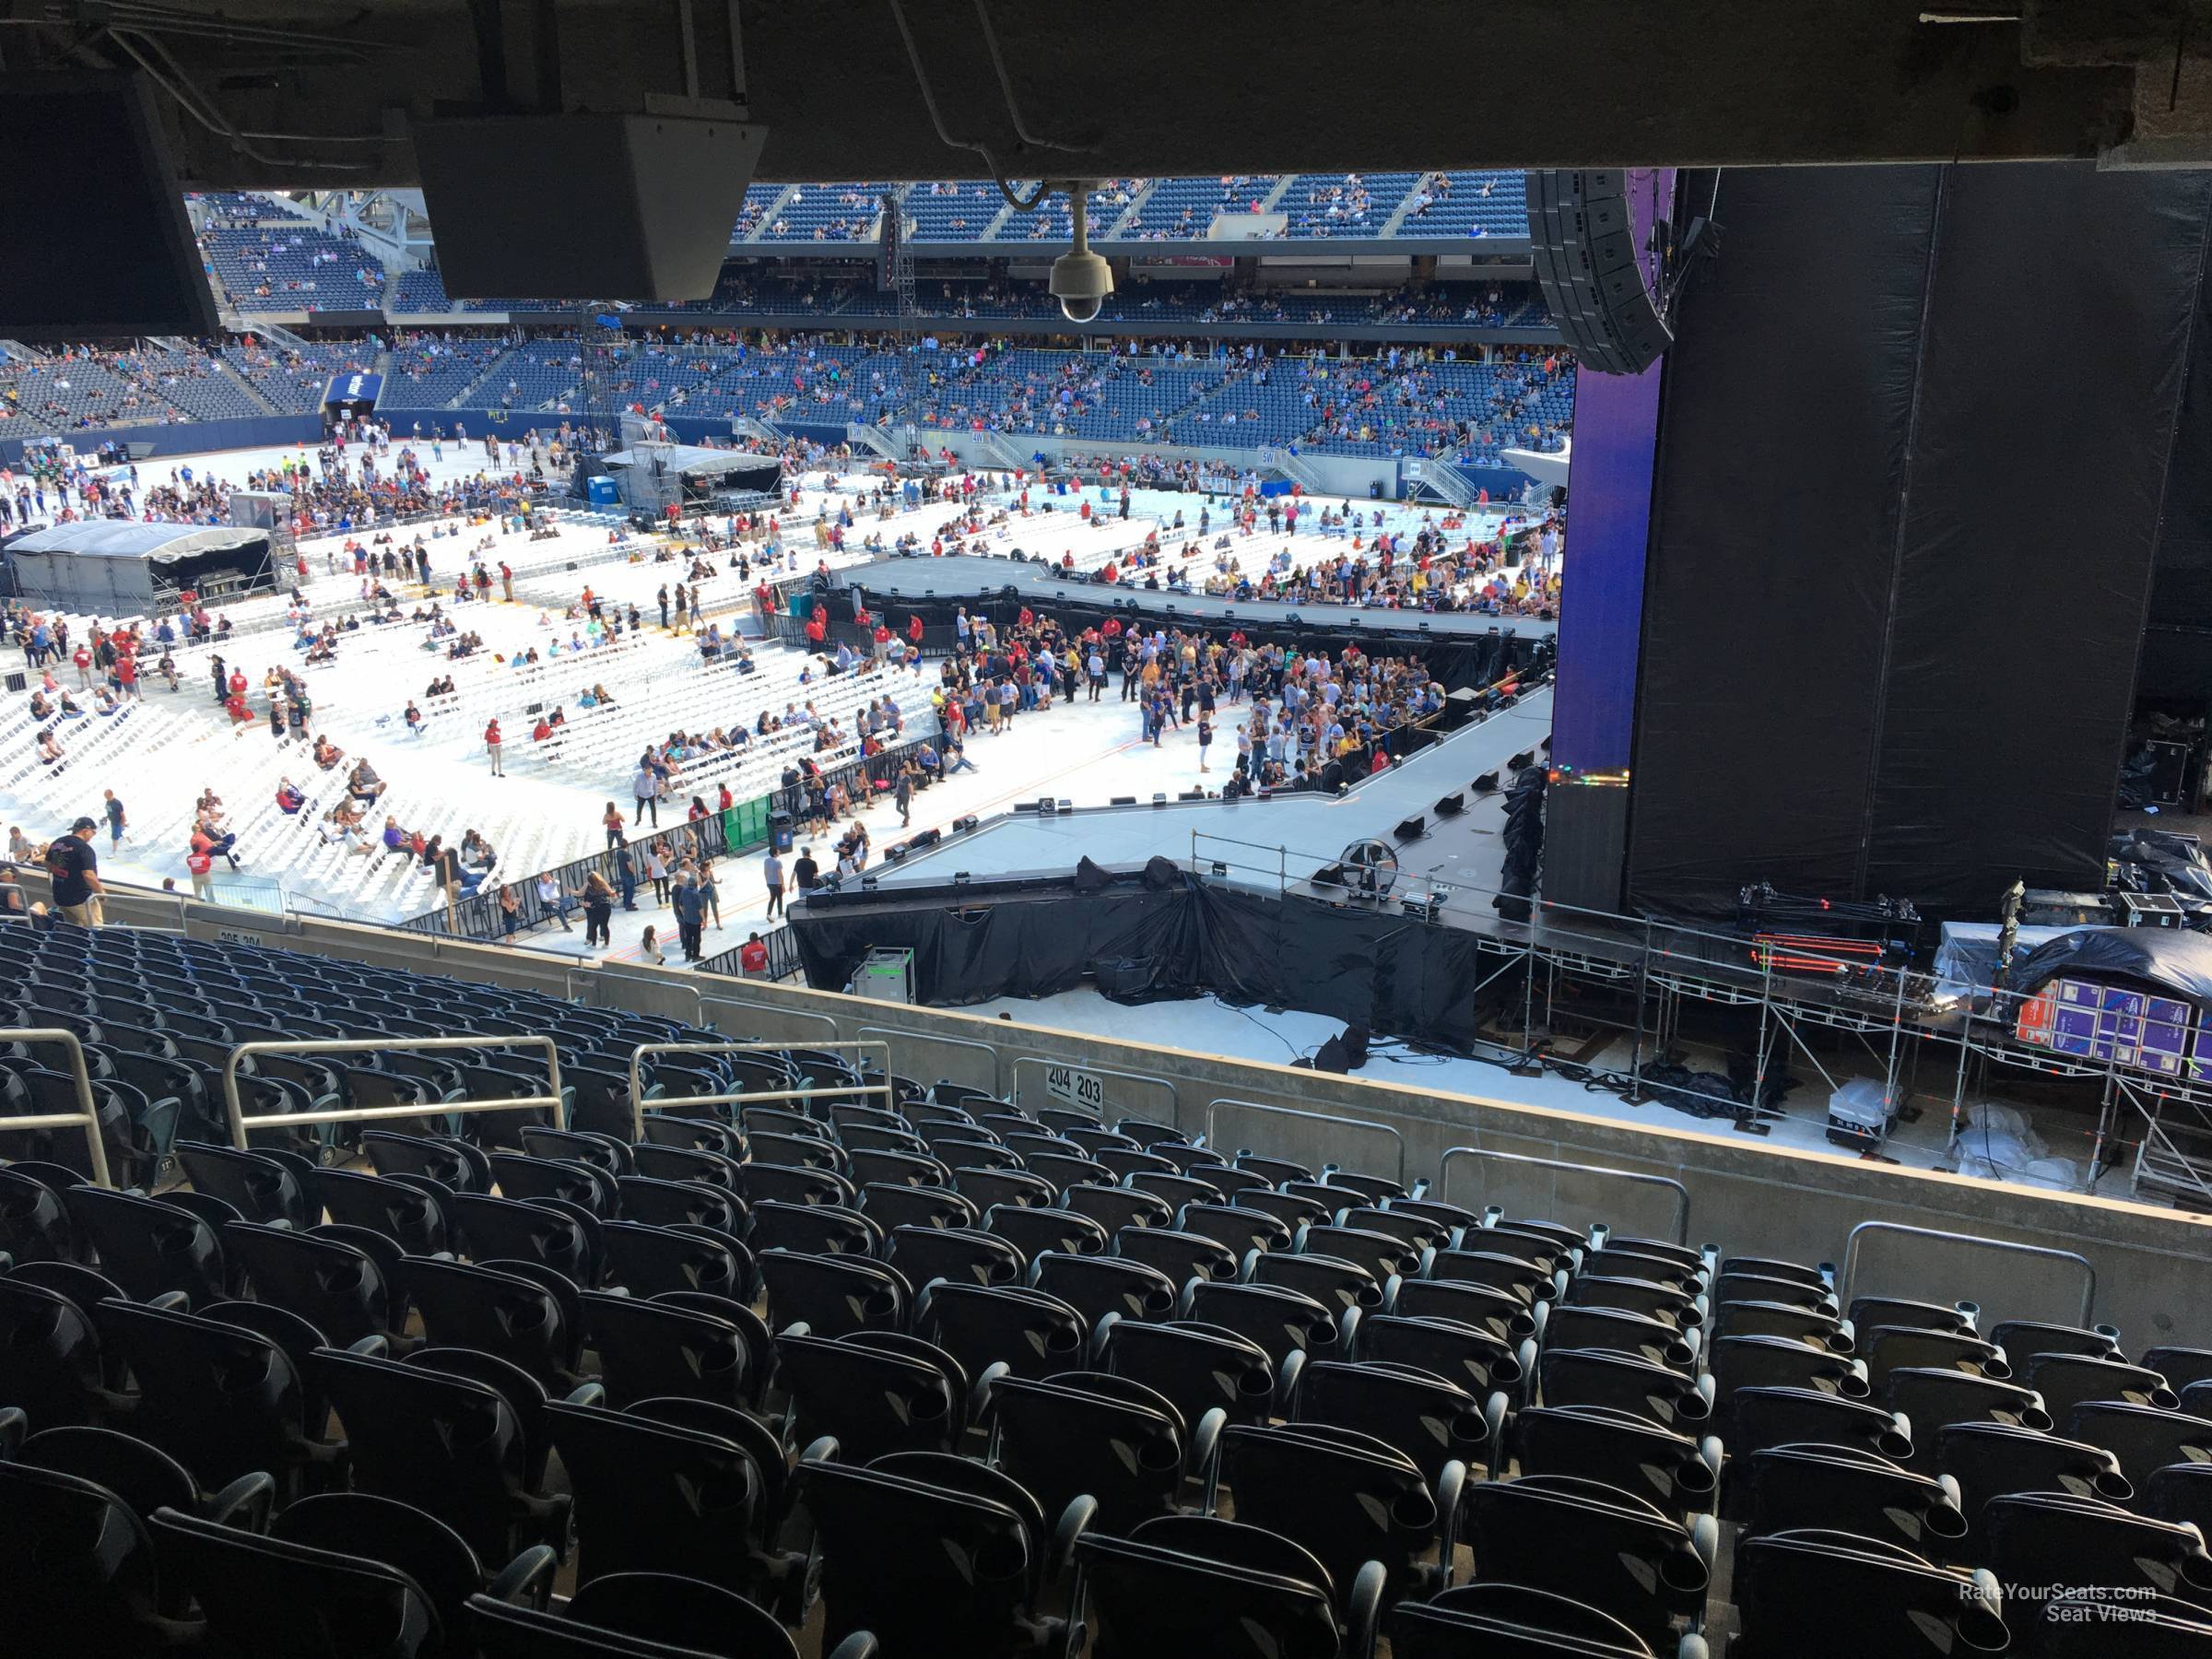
(298, 93)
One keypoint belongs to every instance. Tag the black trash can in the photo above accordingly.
(779, 831)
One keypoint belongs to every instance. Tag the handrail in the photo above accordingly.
(964, 1043)
(1681, 1227)
(87, 1116)
(753, 1007)
(637, 1076)
(241, 1123)
(1047, 1061)
(1319, 1117)
(2002, 1246)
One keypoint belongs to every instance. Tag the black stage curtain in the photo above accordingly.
(1362, 965)
(1909, 481)
(2016, 621)
(2177, 650)
(1782, 430)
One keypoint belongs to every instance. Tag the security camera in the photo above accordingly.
(1080, 279)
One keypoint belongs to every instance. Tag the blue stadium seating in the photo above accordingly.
(1183, 209)
(1468, 204)
(292, 267)
(953, 210)
(1323, 204)
(832, 213)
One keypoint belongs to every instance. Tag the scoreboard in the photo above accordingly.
(2085, 1020)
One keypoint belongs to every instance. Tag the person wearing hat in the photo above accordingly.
(75, 871)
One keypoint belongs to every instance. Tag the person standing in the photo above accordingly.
(598, 911)
(115, 820)
(904, 795)
(613, 821)
(1205, 739)
(710, 890)
(752, 958)
(690, 917)
(74, 868)
(645, 789)
(507, 580)
(199, 862)
(656, 872)
(771, 870)
(805, 872)
(626, 872)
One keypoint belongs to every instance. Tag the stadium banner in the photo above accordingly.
(358, 386)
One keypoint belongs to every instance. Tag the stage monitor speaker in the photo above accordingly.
(1413, 829)
(928, 838)
(127, 268)
(663, 192)
(1521, 759)
(1329, 874)
(1485, 784)
(1584, 244)
(962, 825)
(896, 853)
(1123, 801)
(1451, 806)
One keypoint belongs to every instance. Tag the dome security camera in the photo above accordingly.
(1080, 279)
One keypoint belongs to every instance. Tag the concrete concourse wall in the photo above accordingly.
(1749, 1195)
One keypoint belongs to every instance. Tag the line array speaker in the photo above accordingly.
(1412, 828)
(1451, 805)
(1584, 244)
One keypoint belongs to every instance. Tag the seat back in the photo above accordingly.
(96, 1589)
(654, 1497)
(224, 1401)
(265, 1598)
(1141, 1598)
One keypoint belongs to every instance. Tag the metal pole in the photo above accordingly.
(1643, 989)
(86, 1116)
(1766, 1003)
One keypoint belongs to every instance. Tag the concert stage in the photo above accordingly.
(1262, 841)
(893, 583)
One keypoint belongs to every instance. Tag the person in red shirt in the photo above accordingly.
(126, 673)
(542, 730)
(723, 799)
(492, 746)
(914, 629)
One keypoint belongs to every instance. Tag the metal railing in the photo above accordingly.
(1678, 1229)
(1334, 1120)
(86, 1117)
(745, 1098)
(966, 1045)
(769, 1010)
(783, 958)
(1923, 1282)
(240, 1123)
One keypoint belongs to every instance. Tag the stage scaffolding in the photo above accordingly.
(1566, 969)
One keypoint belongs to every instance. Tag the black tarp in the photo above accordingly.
(2170, 958)
(1365, 966)
(1908, 482)
(2176, 648)
(2014, 625)
(1783, 429)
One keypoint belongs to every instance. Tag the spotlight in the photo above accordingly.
(961, 879)
(1067, 806)
(868, 884)
(1220, 868)
(1159, 800)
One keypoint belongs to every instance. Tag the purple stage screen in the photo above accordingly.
(1609, 516)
